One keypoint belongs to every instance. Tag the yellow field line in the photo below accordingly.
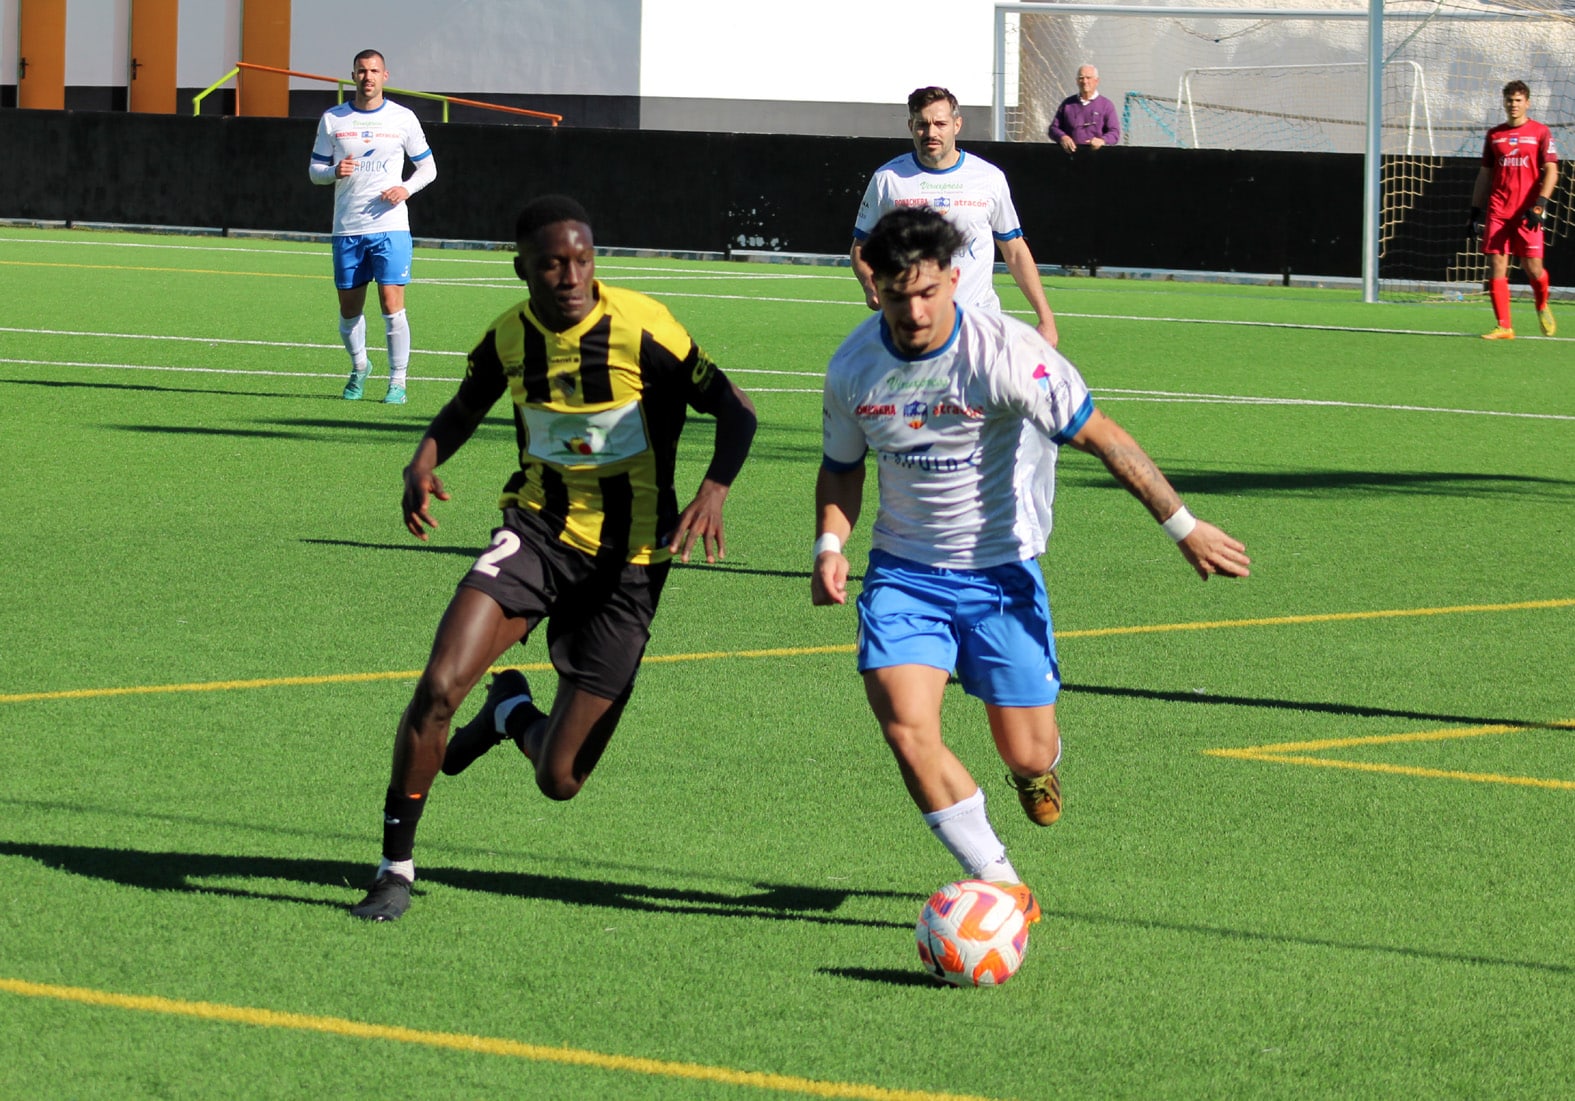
(1386, 739)
(483, 1045)
(777, 652)
(1287, 753)
(1328, 617)
(1402, 770)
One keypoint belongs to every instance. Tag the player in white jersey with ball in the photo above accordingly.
(964, 410)
(361, 149)
(971, 192)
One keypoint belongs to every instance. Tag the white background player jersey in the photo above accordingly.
(965, 438)
(972, 194)
(379, 141)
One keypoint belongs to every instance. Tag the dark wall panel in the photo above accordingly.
(1146, 208)
(1191, 210)
(35, 173)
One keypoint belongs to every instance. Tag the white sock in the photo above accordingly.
(964, 828)
(397, 330)
(500, 714)
(406, 868)
(352, 330)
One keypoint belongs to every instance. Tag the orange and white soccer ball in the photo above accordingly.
(972, 933)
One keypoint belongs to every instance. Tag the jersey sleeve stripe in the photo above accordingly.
(1080, 418)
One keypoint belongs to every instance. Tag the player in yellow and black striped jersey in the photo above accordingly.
(600, 380)
(598, 409)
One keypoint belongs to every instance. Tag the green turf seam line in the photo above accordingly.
(481, 1045)
(777, 652)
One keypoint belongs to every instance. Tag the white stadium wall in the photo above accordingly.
(821, 66)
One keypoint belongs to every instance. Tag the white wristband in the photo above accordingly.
(827, 542)
(1180, 524)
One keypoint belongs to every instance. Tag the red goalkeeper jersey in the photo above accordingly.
(1516, 156)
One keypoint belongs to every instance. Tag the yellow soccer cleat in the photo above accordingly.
(1039, 795)
(1499, 333)
(1545, 319)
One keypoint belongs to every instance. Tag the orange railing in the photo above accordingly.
(343, 82)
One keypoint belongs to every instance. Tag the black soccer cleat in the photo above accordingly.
(387, 900)
(480, 734)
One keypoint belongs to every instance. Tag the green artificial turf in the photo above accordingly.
(213, 616)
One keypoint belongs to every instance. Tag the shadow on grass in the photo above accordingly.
(187, 872)
(697, 562)
(1327, 483)
(401, 424)
(184, 872)
(1255, 937)
(890, 976)
(1345, 709)
(405, 427)
(413, 545)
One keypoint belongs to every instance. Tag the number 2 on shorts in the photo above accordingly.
(504, 543)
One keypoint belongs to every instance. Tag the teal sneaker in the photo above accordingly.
(356, 386)
(395, 395)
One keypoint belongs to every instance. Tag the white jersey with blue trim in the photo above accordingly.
(379, 140)
(973, 196)
(965, 437)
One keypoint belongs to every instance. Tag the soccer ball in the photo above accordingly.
(972, 933)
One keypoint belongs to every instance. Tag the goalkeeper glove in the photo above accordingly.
(1474, 223)
(1538, 211)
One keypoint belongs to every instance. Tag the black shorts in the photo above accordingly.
(598, 612)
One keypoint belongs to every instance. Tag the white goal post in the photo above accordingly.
(1412, 85)
(1416, 129)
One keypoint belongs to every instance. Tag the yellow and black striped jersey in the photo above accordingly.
(598, 409)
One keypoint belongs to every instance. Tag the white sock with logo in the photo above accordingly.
(398, 332)
(964, 828)
(352, 330)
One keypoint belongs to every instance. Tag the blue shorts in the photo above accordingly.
(992, 626)
(383, 258)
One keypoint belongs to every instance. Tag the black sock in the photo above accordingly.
(401, 814)
(519, 723)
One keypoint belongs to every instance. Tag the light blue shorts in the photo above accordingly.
(383, 258)
(992, 626)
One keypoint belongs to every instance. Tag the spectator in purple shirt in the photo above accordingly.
(1087, 118)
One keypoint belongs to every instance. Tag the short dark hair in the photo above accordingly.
(364, 54)
(923, 97)
(545, 210)
(908, 236)
(1516, 86)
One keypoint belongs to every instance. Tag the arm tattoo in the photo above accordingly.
(1132, 467)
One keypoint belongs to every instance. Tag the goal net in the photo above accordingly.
(1258, 80)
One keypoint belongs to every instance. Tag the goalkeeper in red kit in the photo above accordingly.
(1520, 169)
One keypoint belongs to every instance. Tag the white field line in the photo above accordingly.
(689, 274)
(203, 340)
(1113, 394)
(492, 258)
